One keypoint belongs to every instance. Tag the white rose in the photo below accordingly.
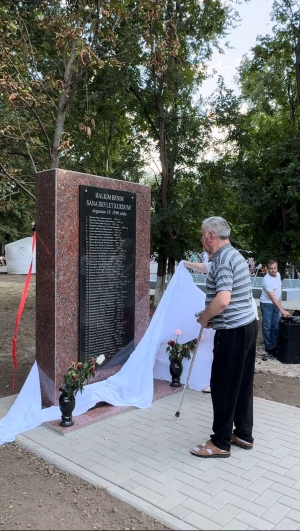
(100, 359)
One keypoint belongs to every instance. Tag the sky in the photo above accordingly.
(256, 20)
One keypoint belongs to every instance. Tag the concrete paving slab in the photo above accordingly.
(155, 472)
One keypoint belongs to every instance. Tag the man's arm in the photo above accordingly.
(276, 303)
(217, 306)
(196, 266)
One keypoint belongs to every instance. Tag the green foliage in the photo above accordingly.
(111, 149)
(51, 57)
(170, 112)
(262, 143)
(16, 213)
(93, 86)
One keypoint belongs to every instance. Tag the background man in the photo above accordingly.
(271, 307)
(229, 311)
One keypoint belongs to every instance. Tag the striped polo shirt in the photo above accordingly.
(229, 272)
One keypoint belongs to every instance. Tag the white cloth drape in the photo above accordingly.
(133, 384)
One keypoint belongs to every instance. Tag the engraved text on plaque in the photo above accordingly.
(107, 273)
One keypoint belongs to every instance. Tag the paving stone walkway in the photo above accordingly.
(142, 457)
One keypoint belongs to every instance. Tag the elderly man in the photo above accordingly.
(270, 307)
(229, 311)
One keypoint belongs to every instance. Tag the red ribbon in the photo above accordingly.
(20, 311)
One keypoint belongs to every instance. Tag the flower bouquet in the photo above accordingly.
(177, 351)
(76, 375)
(74, 379)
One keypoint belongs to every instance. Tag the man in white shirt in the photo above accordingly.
(270, 306)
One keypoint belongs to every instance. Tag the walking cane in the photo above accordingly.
(177, 414)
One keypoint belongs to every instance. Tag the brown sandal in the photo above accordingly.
(236, 441)
(208, 450)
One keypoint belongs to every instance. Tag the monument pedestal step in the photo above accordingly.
(162, 388)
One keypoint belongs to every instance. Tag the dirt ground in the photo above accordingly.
(36, 494)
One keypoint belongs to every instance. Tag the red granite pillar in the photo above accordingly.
(57, 271)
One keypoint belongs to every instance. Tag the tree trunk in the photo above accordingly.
(59, 129)
(161, 277)
(171, 268)
(297, 53)
(163, 155)
(62, 108)
(286, 248)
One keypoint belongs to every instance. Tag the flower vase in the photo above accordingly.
(176, 369)
(66, 406)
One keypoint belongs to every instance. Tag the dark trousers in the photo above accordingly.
(231, 383)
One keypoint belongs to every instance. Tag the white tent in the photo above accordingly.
(19, 255)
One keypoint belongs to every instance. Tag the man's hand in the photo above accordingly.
(285, 313)
(203, 321)
(276, 303)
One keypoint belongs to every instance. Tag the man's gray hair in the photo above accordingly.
(217, 225)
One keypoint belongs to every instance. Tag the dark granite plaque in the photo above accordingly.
(107, 274)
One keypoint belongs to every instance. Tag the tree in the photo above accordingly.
(270, 85)
(262, 136)
(167, 108)
(146, 60)
(50, 52)
(111, 149)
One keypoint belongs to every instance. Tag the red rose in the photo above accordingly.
(92, 369)
(79, 366)
(171, 343)
(74, 377)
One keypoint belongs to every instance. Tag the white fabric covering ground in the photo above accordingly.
(133, 384)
